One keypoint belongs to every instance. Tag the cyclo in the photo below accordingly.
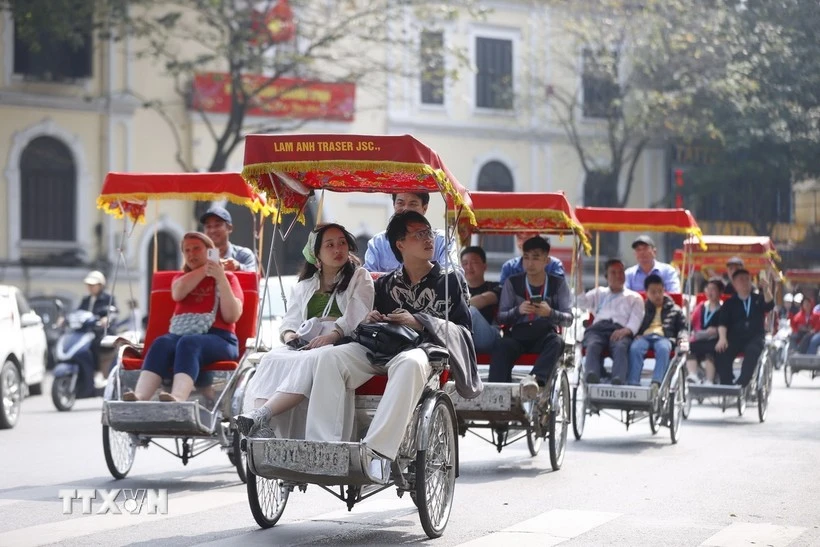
(636, 403)
(203, 421)
(795, 362)
(759, 258)
(500, 407)
(290, 168)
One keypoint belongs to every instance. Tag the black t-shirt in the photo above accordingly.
(488, 286)
(733, 316)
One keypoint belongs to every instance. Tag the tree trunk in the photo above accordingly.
(601, 190)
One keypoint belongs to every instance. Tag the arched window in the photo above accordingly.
(48, 190)
(495, 176)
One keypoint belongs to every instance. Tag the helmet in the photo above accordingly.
(94, 278)
(798, 298)
(788, 297)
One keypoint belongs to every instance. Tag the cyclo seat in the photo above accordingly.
(161, 308)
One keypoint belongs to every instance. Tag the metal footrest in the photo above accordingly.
(159, 418)
(498, 401)
(313, 462)
(620, 397)
(804, 362)
(700, 390)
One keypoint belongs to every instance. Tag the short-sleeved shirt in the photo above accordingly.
(379, 256)
(201, 300)
(243, 255)
(488, 286)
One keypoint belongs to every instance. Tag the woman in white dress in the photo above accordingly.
(334, 289)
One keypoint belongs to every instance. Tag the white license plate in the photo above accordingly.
(619, 393)
(307, 457)
(493, 397)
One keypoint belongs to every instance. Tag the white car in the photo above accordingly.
(23, 353)
(273, 309)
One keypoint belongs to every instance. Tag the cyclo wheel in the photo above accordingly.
(654, 416)
(687, 402)
(237, 457)
(535, 430)
(676, 404)
(267, 498)
(788, 373)
(579, 409)
(741, 402)
(119, 452)
(763, 391)
(436, 470)
(559, 419)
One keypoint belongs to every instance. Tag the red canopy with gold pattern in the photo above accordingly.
(809, 277)
(509, 212)
(605, 219)
(128, 193)
(291, 166)
(757, 252)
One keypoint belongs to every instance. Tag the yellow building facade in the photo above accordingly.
(488, 124)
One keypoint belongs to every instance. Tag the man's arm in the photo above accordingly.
(562, 315)
(507, 307)
(246, 259)
(460, 311)
(671, 280)
(636, 313)
(371, 256)
(443, 251)
(481, 301)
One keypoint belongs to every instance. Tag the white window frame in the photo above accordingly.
(497, 33)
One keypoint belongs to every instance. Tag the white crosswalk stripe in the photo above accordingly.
(550, 528)
(742, 534)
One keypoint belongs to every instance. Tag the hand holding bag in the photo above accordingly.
(385, 340)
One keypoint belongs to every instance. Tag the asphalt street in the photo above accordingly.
(729, 481)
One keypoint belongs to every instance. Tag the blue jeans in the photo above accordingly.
(170, 354)
(484, 334)
(637, 351)
(814, 345)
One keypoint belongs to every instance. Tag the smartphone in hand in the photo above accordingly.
(213, 255)
(535, 300)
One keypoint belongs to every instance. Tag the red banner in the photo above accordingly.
(285, 97)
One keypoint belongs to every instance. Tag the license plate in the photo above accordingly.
(493, 397)
(618, 393)
(308, 457)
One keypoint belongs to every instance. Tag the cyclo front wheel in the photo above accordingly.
(436, 471)
(267, 498)
(119, 451)
(558, 425)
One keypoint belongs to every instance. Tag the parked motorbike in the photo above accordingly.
(75, 369)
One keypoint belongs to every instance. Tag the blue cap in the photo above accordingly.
(216, 211)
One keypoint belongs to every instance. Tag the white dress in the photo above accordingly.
(283, 370)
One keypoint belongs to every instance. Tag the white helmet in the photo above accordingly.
(788, 297)
(798, 298)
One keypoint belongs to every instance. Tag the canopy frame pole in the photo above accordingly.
(597, 258)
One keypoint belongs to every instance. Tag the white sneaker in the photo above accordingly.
(529, 388)
(708, 382)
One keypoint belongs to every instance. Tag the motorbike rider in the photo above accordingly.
(103, 306)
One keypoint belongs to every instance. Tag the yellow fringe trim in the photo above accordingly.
(606, 227)
(109, 203)
(251, 172)
(530, 214)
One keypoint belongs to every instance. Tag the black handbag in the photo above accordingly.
(385, 340)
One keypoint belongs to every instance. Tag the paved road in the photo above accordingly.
(730, 481)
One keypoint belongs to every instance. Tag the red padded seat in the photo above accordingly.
(162, 308)
(376, 385)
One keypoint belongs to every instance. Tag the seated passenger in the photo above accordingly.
(379, 257)
(804, 325)
(533, 304)
(333, 287)
(484, 297)
(419, 295)
(704, 333)
(618, 315)
(516, 265)
(218, 225)
(741, 327)
(208, 305)
(645, 251)
(663, 328)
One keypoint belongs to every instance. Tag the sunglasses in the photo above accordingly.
(421, 235)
